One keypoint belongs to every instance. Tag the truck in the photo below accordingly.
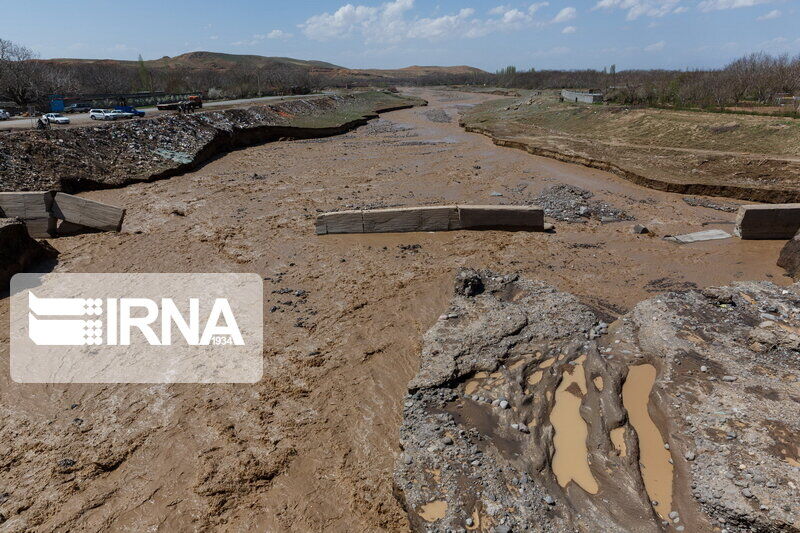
(194, 102)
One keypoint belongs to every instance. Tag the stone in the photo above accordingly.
(640, 229)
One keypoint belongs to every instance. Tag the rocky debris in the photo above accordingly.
(119, 153)
(790, 258)
(18, 251)
(491, 365)
(639, 229)
(574, 204)
(711, 204)
(437, 115)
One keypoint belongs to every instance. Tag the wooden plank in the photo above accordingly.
(501, 217)
(404, 219)
(33, 207)
(87, 212)
(340, 222)
(773, 221)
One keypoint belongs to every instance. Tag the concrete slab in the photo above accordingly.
(699, 236)
(404, 219)
(772, 221)
(340, 222)
(34, 207)
(501, 216)
(432, 218)
(87, 212)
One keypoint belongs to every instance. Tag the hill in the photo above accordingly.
(206, 60)
(217, 61)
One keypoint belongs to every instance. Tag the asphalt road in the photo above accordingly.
(82, 119)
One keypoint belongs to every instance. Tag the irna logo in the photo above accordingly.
(113, 321)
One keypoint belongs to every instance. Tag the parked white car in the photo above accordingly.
(100, 114)
(4, 115)
(116, 113)
(55, 118)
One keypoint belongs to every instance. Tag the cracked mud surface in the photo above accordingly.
(312, 447)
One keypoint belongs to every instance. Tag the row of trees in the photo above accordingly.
(24, 79)
(757, 78)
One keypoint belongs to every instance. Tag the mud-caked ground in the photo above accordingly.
(312, 446)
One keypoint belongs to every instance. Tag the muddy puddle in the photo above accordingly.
(654, 458)
(571, 459)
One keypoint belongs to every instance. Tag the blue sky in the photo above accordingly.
(398, 33)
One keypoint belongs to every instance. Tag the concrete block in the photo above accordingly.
(772, 221)
(87, 212)
(34, 207)
(403, 219)
(501, 217)
(340, 222)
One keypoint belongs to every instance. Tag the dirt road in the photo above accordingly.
(311, 447)
(82, 119)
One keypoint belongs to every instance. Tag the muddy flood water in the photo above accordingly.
(311, 447)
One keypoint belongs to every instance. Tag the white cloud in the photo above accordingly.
(638, 8)
(533, 8)
(716, 5)
(391, 22)
(569, 29)
(655, 47)
(214, 37)
(775, 13)
(278, 34)
(568, 13)
(259, 37)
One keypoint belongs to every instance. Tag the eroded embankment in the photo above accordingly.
(752, 194)
(120, 153)
(528, 412)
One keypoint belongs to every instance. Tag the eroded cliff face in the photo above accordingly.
(529, 413)
(117, 154)
(18, 250)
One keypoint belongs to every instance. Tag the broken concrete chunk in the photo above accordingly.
(87, 212)
(699, 236)
(432, 218)
(500, 216)
(773, 221)
(42, 210)
(403, 219)
(33, 207)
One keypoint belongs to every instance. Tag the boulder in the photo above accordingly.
(790, 257)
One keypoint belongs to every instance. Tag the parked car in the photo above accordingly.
(4, 115)
(129, 109)
(102, 114)
(55, 118)
(77, 108)
(117, 114)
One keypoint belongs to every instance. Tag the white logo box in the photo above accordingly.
(136, 328)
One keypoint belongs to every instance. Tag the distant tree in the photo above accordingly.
(145, 79)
